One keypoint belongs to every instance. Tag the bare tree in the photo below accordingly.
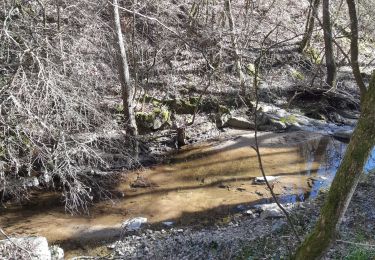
(328, 43)
(228, 10)
(127, 89)
(310, 24)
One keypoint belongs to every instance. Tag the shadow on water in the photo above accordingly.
(201, 185)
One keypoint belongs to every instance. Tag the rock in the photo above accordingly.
(31, 182)
(240, 208)
(271, 210)
(112, 246)
(37, 246)
(57, 253)
(156, 119)
(250, 213)
(134, 223)
(141, 182)
(221, 120)
(223, 186)
(45, 178)
(272, 213)
(168, 223)
(240, 123)
(260, 180)
(343, 135)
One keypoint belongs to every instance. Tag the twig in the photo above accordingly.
(256, 147)
(170, 30)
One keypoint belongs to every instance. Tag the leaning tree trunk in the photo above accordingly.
(328, 43)
(310, 23)
(345, 182)
(127, 90)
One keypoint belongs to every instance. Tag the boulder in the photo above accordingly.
(34, 248)
(156, 119)
(271, 210)
(134, 223)
(240, 123)
(57, 253)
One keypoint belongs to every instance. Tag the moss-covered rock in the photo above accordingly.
(156, 119)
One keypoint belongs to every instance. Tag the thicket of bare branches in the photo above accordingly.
(56, 65)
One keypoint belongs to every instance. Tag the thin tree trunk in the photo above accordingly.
(310, 23)
(328, 42)
(345, 182)
(127, 90)
(228, 10)
(354, 46)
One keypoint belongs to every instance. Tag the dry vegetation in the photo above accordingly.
(59, 89)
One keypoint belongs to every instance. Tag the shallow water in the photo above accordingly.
(201, 184)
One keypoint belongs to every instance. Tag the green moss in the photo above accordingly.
(194, 101)
(223, 110)
(157, 118)
(156, 102)
(297, 74)
(145, 117)
(2, 151)
(288, 119)
(314, 55)
(250, 69)
(163, 112)
(183, 106)
(119, 108)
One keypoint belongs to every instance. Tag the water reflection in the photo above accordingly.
(370, 165)
(202, 183)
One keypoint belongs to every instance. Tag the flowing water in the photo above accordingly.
(201, 184)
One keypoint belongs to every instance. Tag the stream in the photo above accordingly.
(200, 185)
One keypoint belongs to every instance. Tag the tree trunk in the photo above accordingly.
(354, 45)
(328, 43)
(228, 10)
(345, 182)
(310, 23)
(127, 90)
